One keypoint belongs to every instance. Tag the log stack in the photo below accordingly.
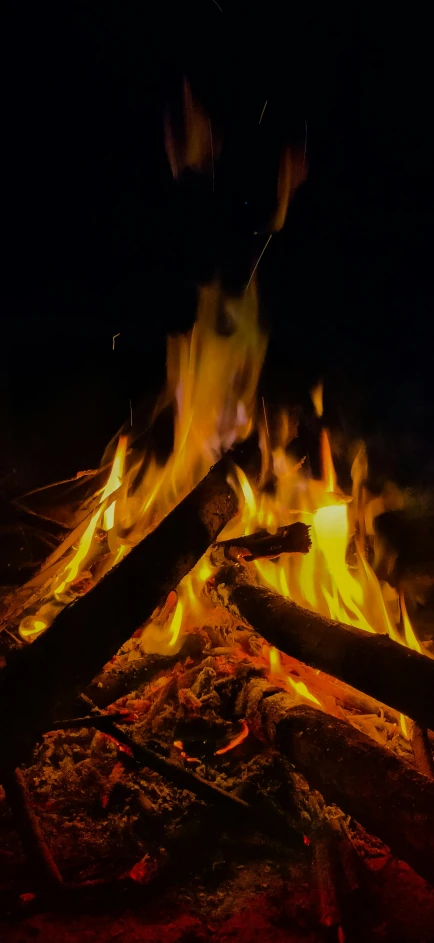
(368, 782)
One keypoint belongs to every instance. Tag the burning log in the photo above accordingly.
(367, 781)
(383, 669)
(109, 686)
(52, 671)
(291, 539)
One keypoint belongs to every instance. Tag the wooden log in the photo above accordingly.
(294, 538)
(374, 664)
(386, 795)
(43, 679)
(126, 677)
(369, 782)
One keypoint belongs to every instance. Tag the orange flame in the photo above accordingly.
(322, 580)
(212, 376)
(299, 687)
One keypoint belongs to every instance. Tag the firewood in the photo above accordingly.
(369, 782)
(45, 677)
(125, 677)
(381, 668)
(291, 539)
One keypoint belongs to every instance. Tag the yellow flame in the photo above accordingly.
(410, 638)
(114, 482)
(299, 687)
(322, 580)
(317, 399)
(212, 376)
(175, 625)
(72, 569)
(31, 627)
(328, 469)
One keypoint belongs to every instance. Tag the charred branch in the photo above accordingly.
(291, 539)
(87, 633)
(381, 668)
(366, 780)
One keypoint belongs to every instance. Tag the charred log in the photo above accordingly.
(50, 673)
(372, 784)
(374, 664)
(123, 678)
(367, 781)
(291, 539)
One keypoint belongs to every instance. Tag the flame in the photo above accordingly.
(317, 399)
(323, 580)
(114, 481)
(212, 376)
(300, 688)
(175, 625)
(164, 633)
(410, 638)
(329, 473)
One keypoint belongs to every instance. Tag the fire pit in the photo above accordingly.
(217, 712)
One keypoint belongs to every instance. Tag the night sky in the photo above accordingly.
(99, 239)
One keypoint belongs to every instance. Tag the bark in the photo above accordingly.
(43, 679)
(291, 539)
(376, 787)
(369, 782)
(374, 664)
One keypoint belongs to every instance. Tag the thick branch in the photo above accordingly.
(367, 781)
(294, 538)
(376, 787)
(47, 675)
(374, 664)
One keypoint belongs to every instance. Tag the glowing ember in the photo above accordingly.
(236, 741)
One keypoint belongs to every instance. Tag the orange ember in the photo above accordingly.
(236, 741)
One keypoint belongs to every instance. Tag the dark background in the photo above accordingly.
(99, 239)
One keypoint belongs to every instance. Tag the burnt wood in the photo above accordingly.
(383, 669)
(294, 538)
(369, 782)
(41, 681)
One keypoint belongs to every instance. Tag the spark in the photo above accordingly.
(258, 261)
(212, 153)
(114, 338)
(131, 414)
(262, 112)
(217, 5)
